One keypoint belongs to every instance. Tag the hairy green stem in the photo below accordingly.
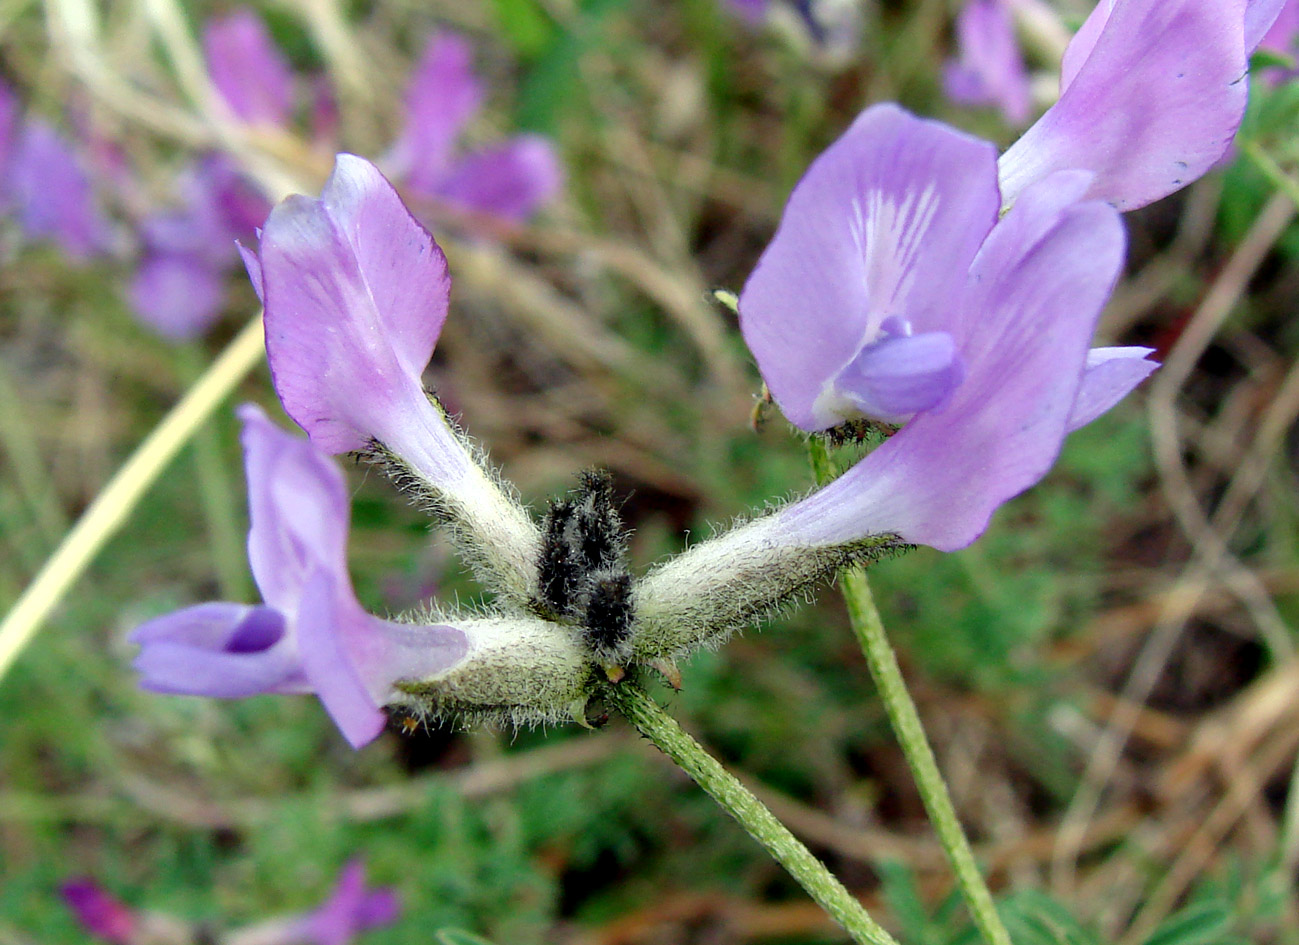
(660, 728)
(905, 721)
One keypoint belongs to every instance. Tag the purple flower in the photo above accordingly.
(180, 285)
(509, 181)
(248, 69)
(350, 910)
(51, 193)
(355, 292)
(1281, 36)
(891, 291)
(99, 912)
(310, 635)
(1152, 92)
(989, 69)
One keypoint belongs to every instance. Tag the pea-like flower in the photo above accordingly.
(310, 634)
(356, 293)
(892, 291)
(1151, 95)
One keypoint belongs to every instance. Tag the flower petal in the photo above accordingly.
(299, 508)
(219, 649)
(248, 69)
(1109, 376)
(1152, 106)
(510, 181)
(899, 376)
(883, 224)
(442, 97)
(355, 293)
(1264, 16)
(938, 481)
(8, 137)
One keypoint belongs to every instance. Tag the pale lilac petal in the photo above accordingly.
(1262, 19)
(177, 296)
(299, 510)
(442, 97)
(323, 630)
(352, 659)
(883, 224)
(355, 293)
(253, 266)
(1152, 106)
(52, 193)
(510, 181)
(1110, 375)
(223, 650)
(938, 480)
(902, 375)
(1083, 42)
(248, 69)
(990, 69)
(100, 913)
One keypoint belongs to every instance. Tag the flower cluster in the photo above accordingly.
(919, 283)
(184, 251)
(350, 910)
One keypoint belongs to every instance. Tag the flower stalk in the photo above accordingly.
(660, 728)
(867, 626)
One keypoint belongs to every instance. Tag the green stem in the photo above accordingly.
(661, 729)
(905, 720)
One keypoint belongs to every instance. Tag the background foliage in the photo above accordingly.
(1119, 597)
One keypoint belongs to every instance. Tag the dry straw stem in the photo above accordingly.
(123, 492)
(1211, 552)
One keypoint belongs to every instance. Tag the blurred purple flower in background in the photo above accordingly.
(248, 69)
(1152, 93)
(348, 911)
(989, 68)
(45, 186)
(179, 287)
(509, 180)
(892, 291)
(311, 635)
(1281, 36)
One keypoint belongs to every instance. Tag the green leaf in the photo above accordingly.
(1200, 924)
(525, 25)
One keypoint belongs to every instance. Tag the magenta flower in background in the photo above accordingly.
(989, 68)
(311, 635)
(891, 291)
(179, 287)
(99, 913)
(1152, 92)
(248, 69)
(509, 180)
